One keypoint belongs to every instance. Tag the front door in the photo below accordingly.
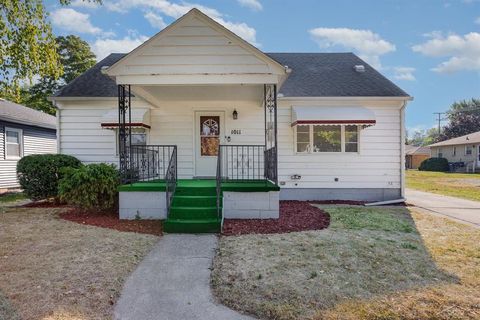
(208, 133)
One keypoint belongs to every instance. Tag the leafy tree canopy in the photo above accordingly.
(75, 57)
(28, 49)
(464, 118)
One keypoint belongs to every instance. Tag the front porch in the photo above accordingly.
(197, 205)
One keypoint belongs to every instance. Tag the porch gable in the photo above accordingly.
(195, 49)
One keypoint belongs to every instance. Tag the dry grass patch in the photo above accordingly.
(460, 185)
(372, 263)
(55, 269)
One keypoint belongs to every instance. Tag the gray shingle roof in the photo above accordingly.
(313, 75)
(466, 139)
(16, 113)
(333, 75)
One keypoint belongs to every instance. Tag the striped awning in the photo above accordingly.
(355, 115)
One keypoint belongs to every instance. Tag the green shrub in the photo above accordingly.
(39, 174)
(93, 186)
(434, 164)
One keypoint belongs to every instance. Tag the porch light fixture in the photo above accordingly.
(235, 114)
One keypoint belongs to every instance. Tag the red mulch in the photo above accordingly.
(350, 202)
(294, 216)
(110, 220)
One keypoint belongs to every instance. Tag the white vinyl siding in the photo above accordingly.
(377, 164)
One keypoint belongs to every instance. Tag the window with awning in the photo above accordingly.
(329, 129)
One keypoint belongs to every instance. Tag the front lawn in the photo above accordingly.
(371, 263)
(56, 269)
(462, 185)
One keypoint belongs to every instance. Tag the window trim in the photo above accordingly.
(342, 141)
(20, 144)
(471, 150)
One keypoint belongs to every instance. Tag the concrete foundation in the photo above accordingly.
(364, 194)
(251, 205)
(142, 204)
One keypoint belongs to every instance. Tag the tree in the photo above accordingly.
(27, 46)
(75, 57)
(423, 137)
(464, 118)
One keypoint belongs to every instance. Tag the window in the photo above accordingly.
(440, 153)
(468, 150)
(13, 143)
(327, 139)
(320, 138)
(454, 151)
(303, 138)
(139, 138)
(351, 138)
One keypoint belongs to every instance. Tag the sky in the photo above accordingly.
(429, 48)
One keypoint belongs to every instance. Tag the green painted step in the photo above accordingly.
(192, 226)
(194, 201)
(196, 191)
(193, 213)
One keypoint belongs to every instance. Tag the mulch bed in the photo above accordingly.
(294, 216)
(350, 202)
(110, 220)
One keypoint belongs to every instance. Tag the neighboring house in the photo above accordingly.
(414, 155)
(314, 125)
(23, 131)
(464, 149)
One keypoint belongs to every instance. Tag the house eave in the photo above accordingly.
(347, 98)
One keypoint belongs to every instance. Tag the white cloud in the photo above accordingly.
(176, 10)
(103, 47)
(463, 52)
(254, 5)
(404, 73)
(155, 20)
(369, 45)
(72, 20)
(85, 4)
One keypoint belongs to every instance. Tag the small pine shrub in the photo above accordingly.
(92, 186)
(39, 174)
(434, 164)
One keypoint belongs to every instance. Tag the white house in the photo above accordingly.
(197, 101)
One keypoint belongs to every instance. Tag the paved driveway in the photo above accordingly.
(173, 283)
(455, 208)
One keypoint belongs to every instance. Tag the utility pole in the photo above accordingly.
(439, 119)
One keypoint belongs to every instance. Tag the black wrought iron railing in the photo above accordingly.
(171, 177)
(271, 163)
(241, 163)
(147, 162)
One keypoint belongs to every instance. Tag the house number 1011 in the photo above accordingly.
(236, 131)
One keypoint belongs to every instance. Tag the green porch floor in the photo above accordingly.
(194, 204)
(160, 185)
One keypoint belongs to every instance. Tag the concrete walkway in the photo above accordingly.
(173, 282)
(462, 210)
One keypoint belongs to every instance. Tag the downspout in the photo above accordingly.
(402, 149)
